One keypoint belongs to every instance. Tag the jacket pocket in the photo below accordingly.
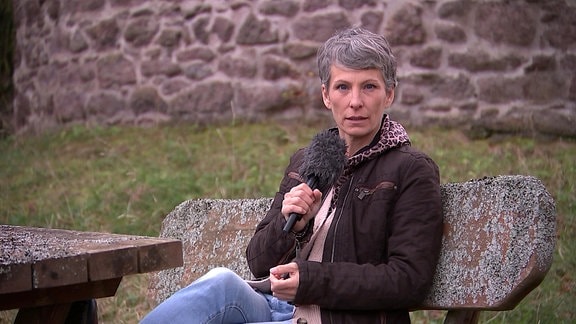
(383, 190)
(296, 176)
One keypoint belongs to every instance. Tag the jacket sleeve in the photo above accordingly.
(270, 245)
(405, 275)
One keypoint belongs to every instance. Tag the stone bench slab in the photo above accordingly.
(498, 242)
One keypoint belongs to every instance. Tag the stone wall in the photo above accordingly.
(498, 66)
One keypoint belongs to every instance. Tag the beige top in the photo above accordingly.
(311, 313)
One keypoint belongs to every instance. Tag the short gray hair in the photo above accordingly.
(359, 49)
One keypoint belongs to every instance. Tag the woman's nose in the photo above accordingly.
(355, 99)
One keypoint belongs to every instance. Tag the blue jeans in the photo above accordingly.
(220, 296)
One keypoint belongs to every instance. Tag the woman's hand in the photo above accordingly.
(302, 200)
(284, 281)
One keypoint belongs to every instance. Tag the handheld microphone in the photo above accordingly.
(324, 160)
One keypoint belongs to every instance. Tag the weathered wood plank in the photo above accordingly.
(155, 256)
(34, 258)
(62, 271)
(15, 277)
(60, 295)
(107, 264)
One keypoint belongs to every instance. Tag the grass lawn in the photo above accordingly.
(125, 180)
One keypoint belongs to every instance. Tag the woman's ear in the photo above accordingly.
(390, 97)
(326, 97)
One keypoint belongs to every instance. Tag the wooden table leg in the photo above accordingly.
(462, 317)
(81, 312)
(43, 314)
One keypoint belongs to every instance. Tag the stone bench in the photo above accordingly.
(498, 242)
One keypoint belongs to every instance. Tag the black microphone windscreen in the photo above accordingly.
(325, 158)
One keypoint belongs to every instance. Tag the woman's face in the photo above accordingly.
(357, 99)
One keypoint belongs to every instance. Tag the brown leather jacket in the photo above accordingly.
(382, 247)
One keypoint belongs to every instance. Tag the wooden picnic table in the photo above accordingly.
(44, 271)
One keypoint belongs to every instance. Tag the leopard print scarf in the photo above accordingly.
(392, 135)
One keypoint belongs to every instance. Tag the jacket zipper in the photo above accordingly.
(334, 238)
(363, 193)
(286, 256)
(338, 219)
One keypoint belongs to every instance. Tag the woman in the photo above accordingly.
(369, 249)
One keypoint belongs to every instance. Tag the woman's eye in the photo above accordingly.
(370, 86)
(341, 87)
